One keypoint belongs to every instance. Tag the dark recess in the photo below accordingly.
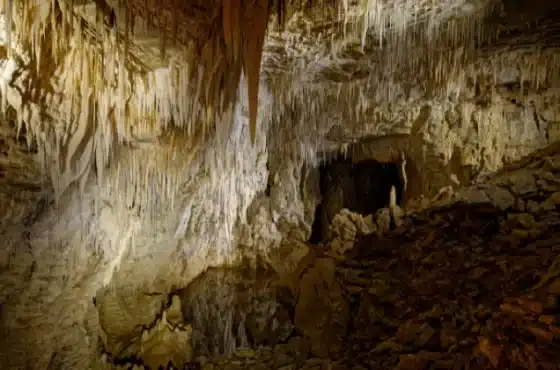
(365, 188)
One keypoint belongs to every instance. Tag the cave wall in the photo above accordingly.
(448, 140)
(107, 262)
(95, 245)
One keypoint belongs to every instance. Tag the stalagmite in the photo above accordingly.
(401, 161)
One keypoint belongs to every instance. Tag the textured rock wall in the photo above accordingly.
(235, 308)
(65, 259)
(99, 245)
(464, 264)
(471, 281)
(453, 141)
(93, 270)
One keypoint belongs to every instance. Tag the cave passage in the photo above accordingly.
(362, 187)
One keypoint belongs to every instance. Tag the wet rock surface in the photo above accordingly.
(472, 283)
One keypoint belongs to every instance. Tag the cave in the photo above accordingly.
(362, 187)
(207, 184)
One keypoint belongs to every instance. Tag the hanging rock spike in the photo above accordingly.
(253, 40)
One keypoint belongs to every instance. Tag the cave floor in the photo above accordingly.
(459, 286)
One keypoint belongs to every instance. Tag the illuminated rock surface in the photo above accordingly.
(167, 192)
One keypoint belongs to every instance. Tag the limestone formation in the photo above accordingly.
(157, 156)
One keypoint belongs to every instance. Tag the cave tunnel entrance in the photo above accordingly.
(362, 187)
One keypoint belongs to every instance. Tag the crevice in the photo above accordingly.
(316, 234)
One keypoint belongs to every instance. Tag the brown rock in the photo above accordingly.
(477, 273)
(387, 345)
(414, 331)
(551, 202)
(426, 333)
(288, 258)
(321, 312)
(447, 337)
(554, 288)
(411, 362)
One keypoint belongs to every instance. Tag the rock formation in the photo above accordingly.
(208, 183)
(472, 281)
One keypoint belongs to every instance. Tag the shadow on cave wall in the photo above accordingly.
(362, 187)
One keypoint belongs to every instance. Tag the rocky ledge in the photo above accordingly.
(470, 283)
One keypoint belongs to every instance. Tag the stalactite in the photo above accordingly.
(196, 92)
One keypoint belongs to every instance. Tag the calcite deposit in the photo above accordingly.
(210, 183)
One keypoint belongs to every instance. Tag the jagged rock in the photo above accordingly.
(154, 146)
(435, 292)
(344, 229)
(383, 220)
(551, 202)
(523, 182)
(525, 220)
(500, 197)
(449, 291)
(120, 314)
(268, 322)
(473, 195)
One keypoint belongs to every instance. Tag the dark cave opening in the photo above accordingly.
(316, 232)
(362, 187)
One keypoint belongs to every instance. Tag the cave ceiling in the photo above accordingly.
(83, 78)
